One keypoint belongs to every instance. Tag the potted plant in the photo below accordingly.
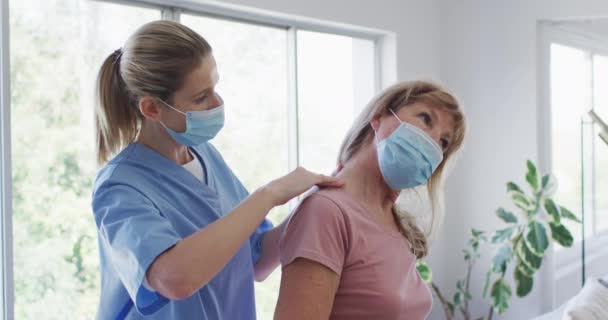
(519, 247)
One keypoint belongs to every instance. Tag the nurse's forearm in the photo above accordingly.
(194, 261)
(270, 253)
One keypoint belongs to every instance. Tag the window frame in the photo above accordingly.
(565, 261)
(6, 211)
(385, 73)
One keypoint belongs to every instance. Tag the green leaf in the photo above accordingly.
(552, 210)
(523, 283)
(567, 214)
(424, 271)
(521, 201)
(483, 237)
(501, 296)
(487, 284)
(475, 245)
(513, 187)
(506, 216)
(537, 238)
(468, 296)
(528, 257)
(476, 233)
(531, 176)
(549, 184)
(502, 258)
(545, 181)
(467, 255)
(502, 235)
(457, 299)
(460, 285)
(561, 235)
(524, 268)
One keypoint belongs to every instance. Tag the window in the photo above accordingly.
(578, 80)
(335, 81)
(291, 95)
(56, 50)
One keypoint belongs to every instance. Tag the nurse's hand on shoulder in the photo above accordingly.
(297, 182)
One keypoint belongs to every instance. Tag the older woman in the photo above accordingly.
(351, 253)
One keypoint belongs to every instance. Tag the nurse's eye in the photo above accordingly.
(444, 144)
(426, 118)
(200, 99)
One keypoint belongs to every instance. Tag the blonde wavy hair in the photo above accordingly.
(402, 95)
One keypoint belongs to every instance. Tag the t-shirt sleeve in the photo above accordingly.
(132, 233)
(317, 231)
(256, 239)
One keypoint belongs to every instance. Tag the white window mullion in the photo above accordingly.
(177, 14)
(293, 140)
(6, 213)
(292, 94)
(170, 13)
(378, 47)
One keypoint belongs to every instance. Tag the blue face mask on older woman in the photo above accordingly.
(408, 157)
(201, 126)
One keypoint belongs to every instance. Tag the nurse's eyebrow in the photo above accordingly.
(217, 79)
(201, 93)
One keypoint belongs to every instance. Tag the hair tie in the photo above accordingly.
(117, 54)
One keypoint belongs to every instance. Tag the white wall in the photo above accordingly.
(489, 58)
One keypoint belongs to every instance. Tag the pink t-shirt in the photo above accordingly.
(378, 277)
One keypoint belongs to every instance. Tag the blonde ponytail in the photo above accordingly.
(154, 61)
(116, 119)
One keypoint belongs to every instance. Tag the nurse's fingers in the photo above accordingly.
(319, 179)
(328, 181)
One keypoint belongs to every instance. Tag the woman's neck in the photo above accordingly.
(155, 137)
(364, 182)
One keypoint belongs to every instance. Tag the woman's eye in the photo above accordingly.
(426, 118)
(444, 144)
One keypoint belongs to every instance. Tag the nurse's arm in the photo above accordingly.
(307, 291)
(269, 260)
(270, 257)
(189, 265)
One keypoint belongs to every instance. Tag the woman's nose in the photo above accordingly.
(436, 135)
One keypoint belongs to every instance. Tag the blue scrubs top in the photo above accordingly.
(144, 204)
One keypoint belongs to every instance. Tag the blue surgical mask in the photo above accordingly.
(408, 157)
(201, 126)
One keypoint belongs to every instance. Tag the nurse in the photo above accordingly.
(179, 236)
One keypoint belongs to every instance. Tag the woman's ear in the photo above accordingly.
(375, 123)
(149, 108)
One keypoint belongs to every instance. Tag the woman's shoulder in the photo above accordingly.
(327, 198)
(329, 203)
(338, 198)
